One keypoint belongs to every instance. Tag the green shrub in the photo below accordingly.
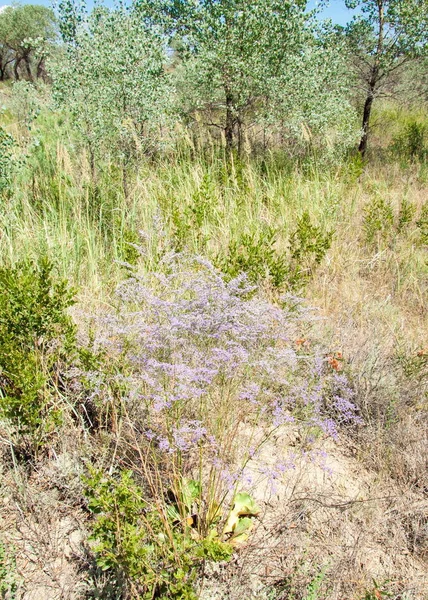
(378, 221)
(6, 145)
(129, 245)
(145, 548)
(308, 245)
(412, 142)
(422, 224)
(8, 578)
(258, 256)
(188, 220)
(36, 336)
(406, 214)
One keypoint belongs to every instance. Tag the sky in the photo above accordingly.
(336, 10)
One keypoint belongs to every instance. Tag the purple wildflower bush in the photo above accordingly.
(207, 372)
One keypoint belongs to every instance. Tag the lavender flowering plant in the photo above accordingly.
(207, 371)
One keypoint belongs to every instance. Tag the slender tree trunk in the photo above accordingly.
(40, 74)
(228, 130)
(240, 141)
(15, 68)
(362, 148)
(28, 68)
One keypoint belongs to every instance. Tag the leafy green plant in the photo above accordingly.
(25, 103)
(8, 577)
(412, 143)
(188, 221)
(145, 543)
(378, 221)
(378, 592)
(309, 244)
(36, 336)
(202, 201)
(129, 245)
(6, 145)
(256, 255)
(405, 215)
(314, 587)
(422, 224)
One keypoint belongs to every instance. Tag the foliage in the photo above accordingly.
(258, 258)
(188, 220)
(35, 336)
(412, 143)
(25, 103)
(406, 214)
(6, 160)
(315, 585)
(308, 246)
(378, 592)
(422, 224)
(8, 579)
(378, 220)
(28, 31)
(240, 63)
(137, 540)
(111, 79)
(382, 38)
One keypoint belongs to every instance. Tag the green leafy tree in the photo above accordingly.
(6, 58)
(240, 63)
(111, 78)
(308, 98)
(228, 50)
(383, 38)
(26, 32)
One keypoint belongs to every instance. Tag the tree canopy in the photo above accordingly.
(25, 32)
(382, 39)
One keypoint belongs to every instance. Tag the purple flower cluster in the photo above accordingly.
(203, 359)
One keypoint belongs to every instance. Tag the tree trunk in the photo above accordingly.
(362, 148)
(28, 68)
(40, 74)
(228, 130)
(15, 68)
(240, 136)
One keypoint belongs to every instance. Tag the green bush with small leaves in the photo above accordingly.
(147, 551)
(129, 246)
(8, 577)
(378, 221)
(406, 215)
(412, 142)
(309, 244)
(422, 224)
(188, 220)
(258, 257)
(6, 145)
(36, 338)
